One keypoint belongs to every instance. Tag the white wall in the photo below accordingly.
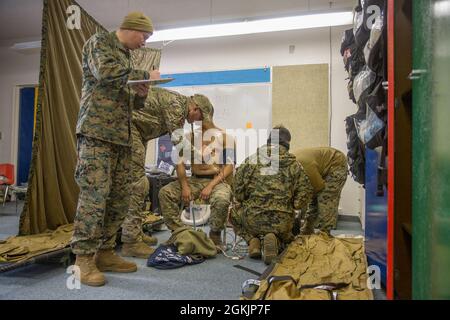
(251, 51)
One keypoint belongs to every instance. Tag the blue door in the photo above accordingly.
(26, 128)
(376, 217)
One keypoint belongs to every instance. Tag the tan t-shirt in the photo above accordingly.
(319, 162)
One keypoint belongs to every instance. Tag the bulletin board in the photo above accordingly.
(301, 103)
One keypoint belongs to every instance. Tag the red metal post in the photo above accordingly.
(391, 150)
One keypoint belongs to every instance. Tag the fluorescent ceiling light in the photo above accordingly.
(258, 26)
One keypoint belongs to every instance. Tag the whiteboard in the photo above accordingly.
(238, 106)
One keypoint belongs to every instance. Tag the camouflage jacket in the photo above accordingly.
(106, 100)
(284, 188)
(165, 111)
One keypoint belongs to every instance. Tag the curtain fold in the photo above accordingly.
(52, 191)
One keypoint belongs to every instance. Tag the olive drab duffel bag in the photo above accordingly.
(192, 242)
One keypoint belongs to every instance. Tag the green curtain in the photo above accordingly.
(52, 191)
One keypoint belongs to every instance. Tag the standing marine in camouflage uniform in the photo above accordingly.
(265, 199)
(210, 167)
(104, 140)
(327, 169)
(165, 111)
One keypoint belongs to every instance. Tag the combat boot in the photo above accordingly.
(137, 250)
(107, 260)
(89, 274)
(254, 248)
(270, 248)
(150, 240)
(216, 237)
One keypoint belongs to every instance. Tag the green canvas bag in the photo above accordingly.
(193, 242)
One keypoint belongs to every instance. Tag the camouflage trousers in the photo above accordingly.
(132, 225)
(102, 173)
(170, 202)
(251, 223)
(322, 211)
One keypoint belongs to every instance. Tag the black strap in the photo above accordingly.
(256, 273)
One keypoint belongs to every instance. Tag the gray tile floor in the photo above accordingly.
(216, 279)
(9, 219)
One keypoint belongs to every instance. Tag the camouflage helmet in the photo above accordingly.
(205, 106)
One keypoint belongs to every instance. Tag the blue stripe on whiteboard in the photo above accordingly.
(218, 77)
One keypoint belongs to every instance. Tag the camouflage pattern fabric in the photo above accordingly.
(265, 203)
(323, 210)
(256, 224)
(164, 112)
(170, 202)
(103, 175)
(106, 100)
(149, 123)
(132, 225)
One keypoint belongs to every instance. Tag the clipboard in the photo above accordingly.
(151, 82)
